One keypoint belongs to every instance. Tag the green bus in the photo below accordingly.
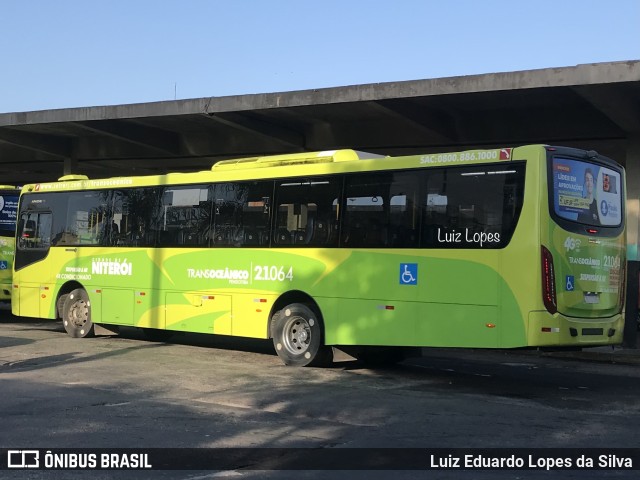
(496, 248)
(8, 214)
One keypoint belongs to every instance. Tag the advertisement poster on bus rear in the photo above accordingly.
(8, 211)
(587, 193)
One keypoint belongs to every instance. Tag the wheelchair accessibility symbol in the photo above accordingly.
(408, 274)
(4, 265)
(570, 283)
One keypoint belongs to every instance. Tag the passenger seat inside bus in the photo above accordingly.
(252, 236)
(283, 237)
(366, 233)
(320, 234)
(300, 237)
(188, 238)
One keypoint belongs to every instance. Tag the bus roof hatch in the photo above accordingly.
(345, 155)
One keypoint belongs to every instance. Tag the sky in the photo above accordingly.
(82, 53)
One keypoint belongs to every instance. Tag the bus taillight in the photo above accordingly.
(622, 287)
(548, 282)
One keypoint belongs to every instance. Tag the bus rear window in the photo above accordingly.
(587, 193)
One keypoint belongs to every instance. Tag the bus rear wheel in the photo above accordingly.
(297, 337)
(76, 314)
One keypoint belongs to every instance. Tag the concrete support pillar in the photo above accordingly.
(70, 165)
(633, 241)
(633, 197)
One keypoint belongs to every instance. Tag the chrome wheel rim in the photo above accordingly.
(78, 313)
(297, 335)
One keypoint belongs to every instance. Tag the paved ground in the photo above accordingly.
(201, 391)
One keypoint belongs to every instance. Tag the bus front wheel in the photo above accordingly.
(297, 337)
(76, 314)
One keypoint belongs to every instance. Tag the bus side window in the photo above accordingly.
(404, 215)
(365, 214)
(35, 231)
(137, 217)
(382, 210)
(468, 200)
(303, 211)
(29, 229)
(186, 216)
(255, 214)
(241, 214)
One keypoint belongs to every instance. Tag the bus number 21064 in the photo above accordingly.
(272, 273)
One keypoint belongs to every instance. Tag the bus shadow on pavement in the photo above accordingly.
(14, 342)
(66, 359)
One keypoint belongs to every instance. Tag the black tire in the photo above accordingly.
(298, 337)
(60, 305)
(76, 314)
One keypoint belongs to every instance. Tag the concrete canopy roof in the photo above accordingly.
(596, 106)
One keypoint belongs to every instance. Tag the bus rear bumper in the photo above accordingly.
(561, 331)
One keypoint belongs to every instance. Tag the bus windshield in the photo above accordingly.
(587, 193)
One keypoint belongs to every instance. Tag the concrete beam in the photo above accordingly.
(613, 103)
(436, 124)
(56, 146)
(156, 139)
(254, 126)
(587, 74)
